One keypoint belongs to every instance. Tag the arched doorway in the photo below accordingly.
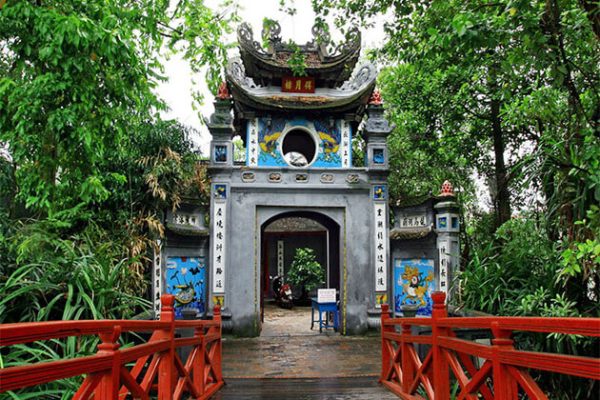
(283, 233)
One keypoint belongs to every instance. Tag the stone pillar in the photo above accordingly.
(221, 129)
(447, 227)
(376, 130)
(221, 162)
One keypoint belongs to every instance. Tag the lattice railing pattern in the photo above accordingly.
(152, 369)
(495, 371)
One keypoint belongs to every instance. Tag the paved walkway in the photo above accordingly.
(289, 361)
(304, 389)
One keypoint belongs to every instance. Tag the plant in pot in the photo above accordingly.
(305, 272)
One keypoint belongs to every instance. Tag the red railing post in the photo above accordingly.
(108, 387)
(200, 365)
(386, 357)
(408, 370)
(505, 387)
(441, 371)
(216, 361)
(166, 369)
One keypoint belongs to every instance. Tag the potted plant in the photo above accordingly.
(305, 272)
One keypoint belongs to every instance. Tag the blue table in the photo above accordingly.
(324, 308)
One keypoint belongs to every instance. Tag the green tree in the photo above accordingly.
(78, 81)
(508, 88)
(306, 271)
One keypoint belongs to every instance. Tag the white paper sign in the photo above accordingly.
(380, 242)
(326, 296)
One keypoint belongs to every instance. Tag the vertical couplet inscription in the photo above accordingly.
(219, 219)
(346, 147)
(280, 267)
(157, 277)
(445, 264)
(252, 143)
(380, 247)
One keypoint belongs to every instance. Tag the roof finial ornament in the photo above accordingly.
(223, 93)
(447, 189)
(376, 99)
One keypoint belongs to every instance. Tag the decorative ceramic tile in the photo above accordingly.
(220, 191)
(302, 178)
(275, 177)
(327, 178)
(248, 177)
(379, 192)
(353, 178)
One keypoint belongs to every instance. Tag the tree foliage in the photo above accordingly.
(87, 164)
(506, 91)
(305, 270)
(86, 157)
(78, 83)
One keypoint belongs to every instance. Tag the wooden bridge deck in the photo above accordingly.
(354, 388)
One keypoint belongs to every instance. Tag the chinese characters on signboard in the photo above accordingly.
(185, 219)
(252, 142)
(298, 84)
(346, 148)
(413, 221)
(218, 248)
(380, 247)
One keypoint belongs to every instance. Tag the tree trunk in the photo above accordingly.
(502, 201)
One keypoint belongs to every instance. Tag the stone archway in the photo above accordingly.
(293, 229)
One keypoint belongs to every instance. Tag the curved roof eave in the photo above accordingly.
(344, 56)
(352, 93)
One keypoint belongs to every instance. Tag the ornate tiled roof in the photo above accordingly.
(352, 96)
(330, 65)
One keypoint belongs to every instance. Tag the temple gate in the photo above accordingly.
(298, 134)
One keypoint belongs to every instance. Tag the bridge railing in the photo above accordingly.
(152, 368)
(503, 372)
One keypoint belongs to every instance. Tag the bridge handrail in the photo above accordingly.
(26, 332)
(404, 372)
(157, 365)
(564, 325)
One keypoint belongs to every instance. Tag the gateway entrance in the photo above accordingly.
(281, 236)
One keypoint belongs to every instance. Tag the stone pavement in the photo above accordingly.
(288, 348)
(289, 361)
(361, 388)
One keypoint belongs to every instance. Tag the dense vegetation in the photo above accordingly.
(88, 166)
(500, 92)
(506, 91)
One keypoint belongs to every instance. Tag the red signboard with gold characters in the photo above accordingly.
(298, 84)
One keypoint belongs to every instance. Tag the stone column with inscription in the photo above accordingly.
(221, 163)
(376, 130)
(447, 227)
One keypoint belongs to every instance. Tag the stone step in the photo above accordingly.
(348, 388)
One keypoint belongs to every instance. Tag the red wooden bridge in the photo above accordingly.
(155, 370)
(152, 368)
